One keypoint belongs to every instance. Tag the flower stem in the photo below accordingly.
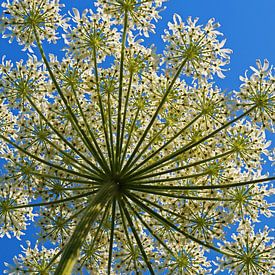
(96, 153)
(172, 225)
(193, 144)
(126, 167)
(125, 27)
(168, 171)
(204, 187)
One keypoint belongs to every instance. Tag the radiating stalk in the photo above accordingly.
(168, 179)
(168, 171)
(194, 144)
(120, 89)
(102, 110)
(155, 115)
(149, 229)
(205, 187)
(96, 153)
(62, 138)
(55, 202)
(136, 235)
(161, 148)
(124, 118)
(112, 236)
(164, 221)
(76, 180)
(72, 248)
(170, 195)
(42, 160)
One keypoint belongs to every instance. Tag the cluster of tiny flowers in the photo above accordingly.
(140, 14)
(21, 81)
(187, 258)
(249, 253)
(92, 36)
(247, 141)
(33, 261)
(197, 46)
(23, 18)
(249, 201)
(13, 219)
(259, 90)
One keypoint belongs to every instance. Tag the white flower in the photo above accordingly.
(259, 90)
(23, 16)
(140, 13)
(249, 253)
(33, 261)
(197, 46)
(92, 34)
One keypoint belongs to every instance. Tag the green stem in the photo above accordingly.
(170, 224)
(194, 144)
(62, 138)
(154, 116)
(49, 176)
(127, 233)
(124, 118)
(74, 163)
(161, 148)
(136, 235)
(112, 236)
(102, 110)
(149, 191)
(124, 150)
(203, 187)
(125, 26)
(144, 171)
(74, 121)
(149, 229)
(53, 260)
(54, 202)
(168, 179)
(72, 249)
(42, 160)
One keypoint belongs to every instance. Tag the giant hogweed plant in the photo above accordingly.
(125, 167)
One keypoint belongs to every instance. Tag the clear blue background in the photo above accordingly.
(248, 25)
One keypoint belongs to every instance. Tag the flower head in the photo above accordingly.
(23, 17)
(197, 46)
(140, 13)
(92, 36)
(259, 90)
(33, 261)
(13, 219)
(249, 253)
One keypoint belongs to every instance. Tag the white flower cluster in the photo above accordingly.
(259, 90)
(21, 81)
(249, 253)
(139, 13)
(132, 168)
(25, 17)
(13, 219)
(197, 46)
(33, 261)
(92, 37)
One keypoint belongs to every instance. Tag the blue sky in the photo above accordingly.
(248, 26)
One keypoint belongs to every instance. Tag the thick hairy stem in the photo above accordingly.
(72, 249)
